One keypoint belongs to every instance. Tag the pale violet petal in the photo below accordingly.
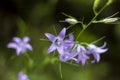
(62, 33)
(50, 36)
(51, 48)
(71, 37)
(104, 45)
(22, 76)
(97, 57)
(17, 39)
(18, 51)
(83, 61)
(28, 46)
(99, 50)
(26, 39)
(12, 45)
(60, 50)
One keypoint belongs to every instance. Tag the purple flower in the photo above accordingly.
(22, 76)
(68, 54)
(21, 45)
(82, 56)
(96, 51)
(57, 41)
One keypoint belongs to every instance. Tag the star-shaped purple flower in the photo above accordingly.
(82, 56)
(22, 76)
(21, 45)
(57, 41)
(96, 51)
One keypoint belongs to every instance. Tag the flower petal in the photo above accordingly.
(99, 50)
(18, 51)
(103, 46)
(71, 37)
(22, 76)
(51, 48)
(17, 39)
(26, 39)
(28, 46)
(12, 45)
(50, 36)
(97, 57)
(62, 33)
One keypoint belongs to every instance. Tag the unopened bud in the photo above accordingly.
(109, 20)
(71, 20)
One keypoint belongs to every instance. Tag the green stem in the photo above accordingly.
(60, 69)
(86, 26)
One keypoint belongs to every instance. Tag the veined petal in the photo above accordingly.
(50, 36)
(12, 45)
(26, 39)
(17, 39)
(62, 33)
(51, 48)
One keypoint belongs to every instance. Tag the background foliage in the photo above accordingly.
(35, 17)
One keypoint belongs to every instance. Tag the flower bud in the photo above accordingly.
(71, 20)
(107, 20)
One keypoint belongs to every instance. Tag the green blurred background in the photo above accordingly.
(35, 17)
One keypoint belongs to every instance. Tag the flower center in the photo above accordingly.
(58, 42)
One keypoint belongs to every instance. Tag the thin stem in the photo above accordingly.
(86, 26)
(28, 56)
(60, 69)
(70, 26)
(97, 40)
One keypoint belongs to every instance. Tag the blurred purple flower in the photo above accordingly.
(57, 41)
(82, 56)
(22, 76)
(21, 45)
(96, 51)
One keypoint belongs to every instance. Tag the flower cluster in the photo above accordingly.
(69, 49)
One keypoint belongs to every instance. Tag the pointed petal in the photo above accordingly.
(62, 33)
(97, 57)
(12, 45)
(99, 50)
(26, 39)
(51, 48)
(28, 46)
(83, 61)
(50, 36)
(104, 45)
(18, 51)
(71, 37)
(60, 50)
(17, 39)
